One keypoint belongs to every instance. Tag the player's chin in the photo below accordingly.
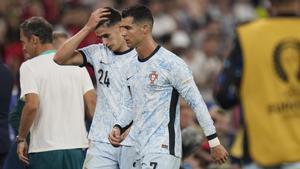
(129, 44)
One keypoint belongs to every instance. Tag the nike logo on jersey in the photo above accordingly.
(129, 77)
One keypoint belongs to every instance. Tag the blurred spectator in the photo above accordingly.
(244, 11)
(206, 65)
(73, 19)
(164, 24)
(59, 37)
(187, 116)
(6, 83)
(191, 140)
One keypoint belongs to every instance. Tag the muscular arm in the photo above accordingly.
(67, 54)
(29, 113)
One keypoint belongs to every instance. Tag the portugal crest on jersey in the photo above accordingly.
(153, 76)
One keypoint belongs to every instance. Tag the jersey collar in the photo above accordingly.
(148, 57)
(48, 52)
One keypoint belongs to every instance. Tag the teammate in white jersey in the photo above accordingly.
(156, 79)
(109, 60)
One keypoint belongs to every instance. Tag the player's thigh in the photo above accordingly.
(101, 156)
(127, 157)
(160, 161)
(46, 160)
(73, 158)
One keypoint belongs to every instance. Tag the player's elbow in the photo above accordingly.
(58, 59)
(90, 100)
(31, 107)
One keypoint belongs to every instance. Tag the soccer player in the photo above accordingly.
(54, 103)
(109, 60)
(157, 78)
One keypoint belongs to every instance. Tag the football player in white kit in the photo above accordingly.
(157, 78)
(109, 59)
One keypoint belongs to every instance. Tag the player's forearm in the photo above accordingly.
(28, 115)
(125, 119)
(192, 96)
(90, 101)
(67, 50)
(127, 115)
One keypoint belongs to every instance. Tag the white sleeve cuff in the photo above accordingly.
(214, 142)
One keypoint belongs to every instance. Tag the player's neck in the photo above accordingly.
(44, 47)
(146, 48)
(123, 48)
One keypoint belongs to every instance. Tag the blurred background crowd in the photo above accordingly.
(199, 31)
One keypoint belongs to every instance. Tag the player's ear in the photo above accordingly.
(35, 39)
(146, 28)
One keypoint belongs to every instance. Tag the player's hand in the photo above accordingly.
(22, 152)
(219, 154)
(125, 134)
(97, 16)
(115, 137)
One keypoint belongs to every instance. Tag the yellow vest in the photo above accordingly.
(270, 89)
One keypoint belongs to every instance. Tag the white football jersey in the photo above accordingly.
(112, 88)
(155, 85)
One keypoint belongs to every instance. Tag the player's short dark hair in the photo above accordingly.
(39, 27)
(113, 18)
(138, 13)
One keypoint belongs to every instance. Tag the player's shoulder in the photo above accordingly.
(169, 57)
(95, 47)
(30, 62)
(24, 65)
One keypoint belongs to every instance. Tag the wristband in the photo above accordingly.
(18, 140)
(214, 142)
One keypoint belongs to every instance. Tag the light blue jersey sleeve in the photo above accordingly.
(89, 53)
(128, 114)
(182, 79)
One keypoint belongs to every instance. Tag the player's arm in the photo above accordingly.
(184, 83)
(124, 121)
(126, 117)
(29, 113)
(67, 54)
(90, 102)
(29, 91)
(89, 93)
